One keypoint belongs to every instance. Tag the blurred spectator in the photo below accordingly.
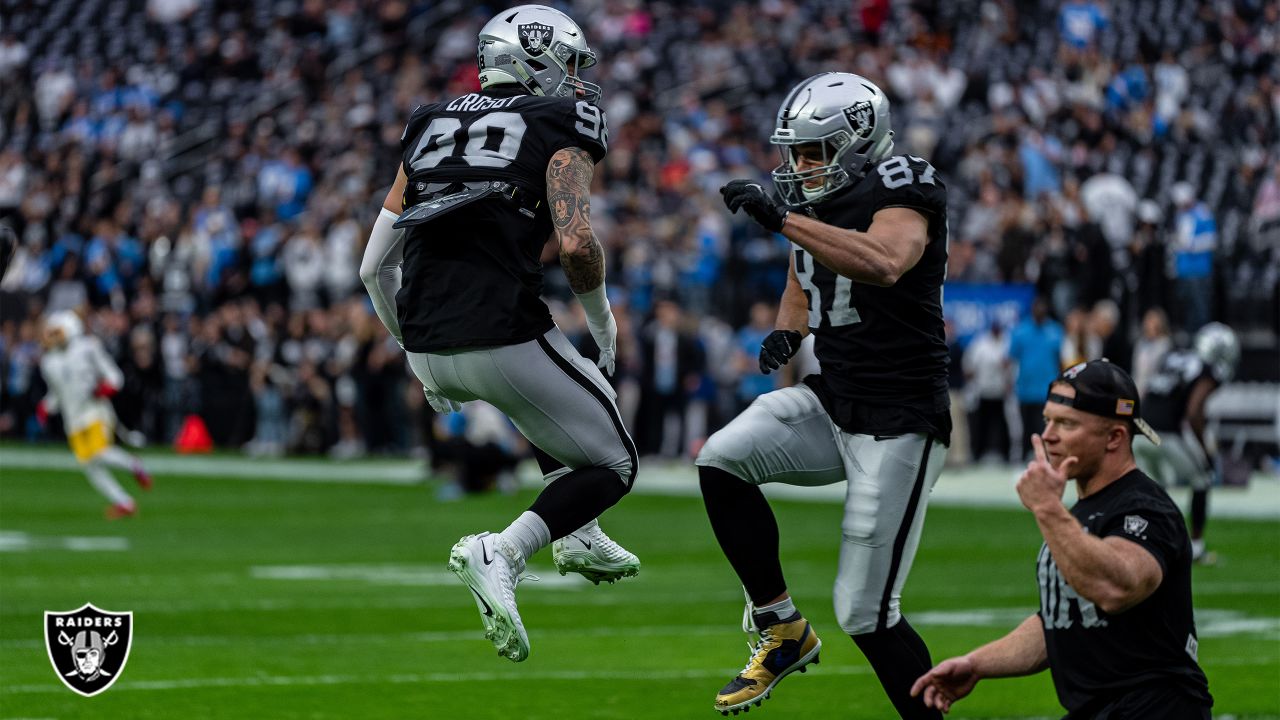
(479, 452)
(986, 371)
(207, 155)
(1265, 217)
(1104, 320)
(958, 452)
(1080, 21)
(1151, 347)
(753, 383)
(1111, 203)
(672, 362)
(1194, 242)
(1034, 347)
(1147, 280)
(303, 259)
(1078, 341)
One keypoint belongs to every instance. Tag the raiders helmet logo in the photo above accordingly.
(535, 38)
(862, 118)
(88, 647)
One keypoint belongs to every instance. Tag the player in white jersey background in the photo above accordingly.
(82, 377)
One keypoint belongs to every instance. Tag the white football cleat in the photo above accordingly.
(591, 553)
(490, 567)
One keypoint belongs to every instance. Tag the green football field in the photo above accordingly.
(276, 599)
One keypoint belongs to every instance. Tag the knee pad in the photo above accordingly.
(859, 614)
(725, 450)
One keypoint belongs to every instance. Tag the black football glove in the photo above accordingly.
(777, 349)
(751, 196)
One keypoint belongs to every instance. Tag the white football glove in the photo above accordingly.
(604, 330)
(440, 403)
(607, 340)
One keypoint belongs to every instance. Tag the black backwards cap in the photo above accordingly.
(1103, 388)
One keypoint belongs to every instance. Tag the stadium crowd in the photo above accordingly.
(200, 185)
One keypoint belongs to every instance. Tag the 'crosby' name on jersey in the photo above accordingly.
(473, 277)
(475, 102)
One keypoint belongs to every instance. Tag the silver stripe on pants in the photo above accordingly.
(786, 436)
(555, 397)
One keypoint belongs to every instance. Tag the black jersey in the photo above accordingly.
(1164, 406)
(1094, 656)
(883, 350)
(473, 277)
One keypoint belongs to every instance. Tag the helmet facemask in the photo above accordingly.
(571, 61)
(555, 73)
(813, 169)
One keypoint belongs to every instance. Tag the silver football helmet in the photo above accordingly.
(1219, 350)
(837, 124)
(538, 48)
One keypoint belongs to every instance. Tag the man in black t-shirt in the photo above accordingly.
(453, 268)
(868, 231)
(1115, 625)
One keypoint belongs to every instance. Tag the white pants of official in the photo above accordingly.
(786, 436)
(557, 399)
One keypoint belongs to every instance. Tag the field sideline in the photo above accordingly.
(269, 599)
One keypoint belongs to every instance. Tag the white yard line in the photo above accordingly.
(629, 675)
(25, 463)
(422, 678)
(978, 486)
(17, 541)
(1210, 623)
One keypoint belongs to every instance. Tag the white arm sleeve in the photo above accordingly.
(107, 369)
(50, 398)
(380, 270)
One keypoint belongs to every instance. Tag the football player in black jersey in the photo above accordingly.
(453, 266)
(1175, 402)
(869, 238)
(1115, 626)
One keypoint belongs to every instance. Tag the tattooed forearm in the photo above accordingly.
(569, 197)
(584, 269)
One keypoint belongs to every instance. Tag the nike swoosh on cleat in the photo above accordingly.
(586, 543)
(488, 611)
(485, 551)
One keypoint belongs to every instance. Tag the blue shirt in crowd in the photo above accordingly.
(754, 383)
(1196, 238)
(1035, 350)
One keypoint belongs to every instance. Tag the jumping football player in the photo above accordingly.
(486, 179)
(869, 238)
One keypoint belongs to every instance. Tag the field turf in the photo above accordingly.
(271, 599)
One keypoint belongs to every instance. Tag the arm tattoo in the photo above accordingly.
(569, 197)
(563, 204)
